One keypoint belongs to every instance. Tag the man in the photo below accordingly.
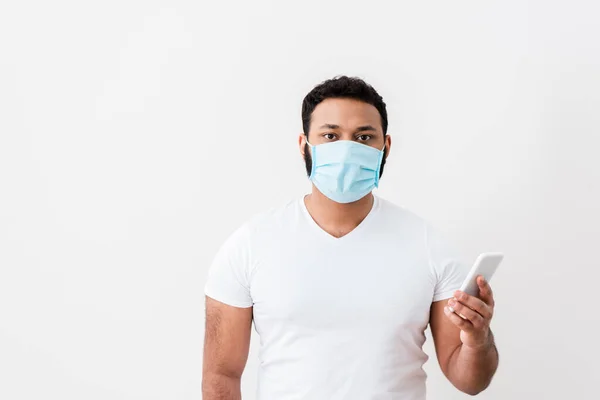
(341, 284)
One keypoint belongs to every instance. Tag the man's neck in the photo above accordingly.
(337, 219)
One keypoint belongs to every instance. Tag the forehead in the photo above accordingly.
(347, 113)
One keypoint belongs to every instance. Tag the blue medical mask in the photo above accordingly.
(345, 170)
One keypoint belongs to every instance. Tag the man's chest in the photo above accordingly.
(342, 287)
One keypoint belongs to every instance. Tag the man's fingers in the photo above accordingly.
(485, 291)
(474, 303)
(463, 324)
(474, 317)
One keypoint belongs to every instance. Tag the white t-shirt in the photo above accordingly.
(338, 318)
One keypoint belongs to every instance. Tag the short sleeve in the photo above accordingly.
(227, 280)
(449, 270)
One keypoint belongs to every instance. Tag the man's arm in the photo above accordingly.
(226, 345)
(465, 347)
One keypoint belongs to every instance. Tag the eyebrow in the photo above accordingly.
(365, 128)
(329, 126)
(359, 129)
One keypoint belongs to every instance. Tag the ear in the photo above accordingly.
(388, 145)
(302, 143)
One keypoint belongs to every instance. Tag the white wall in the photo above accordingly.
(136, 135)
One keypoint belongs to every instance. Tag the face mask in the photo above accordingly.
(344, 170)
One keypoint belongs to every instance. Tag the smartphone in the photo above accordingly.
(486, 264)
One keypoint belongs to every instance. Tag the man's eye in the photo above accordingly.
(329, 136)
(364, 138)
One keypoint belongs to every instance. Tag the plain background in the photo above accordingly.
(137, 135)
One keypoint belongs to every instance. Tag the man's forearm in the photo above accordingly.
(471, 370)
(220, 387)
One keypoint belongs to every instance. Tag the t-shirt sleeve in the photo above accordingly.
(448, 268)
(228, 275)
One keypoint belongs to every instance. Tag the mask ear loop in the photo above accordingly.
(312, 159)
(378, 170)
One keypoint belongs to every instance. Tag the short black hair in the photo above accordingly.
(342, 87)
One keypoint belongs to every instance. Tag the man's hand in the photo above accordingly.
(475, 315)
(465, 345)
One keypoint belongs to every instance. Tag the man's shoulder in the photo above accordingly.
(400, 214)
(263, 225)
(272, 218)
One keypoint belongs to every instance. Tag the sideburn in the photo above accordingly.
(307, 160)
